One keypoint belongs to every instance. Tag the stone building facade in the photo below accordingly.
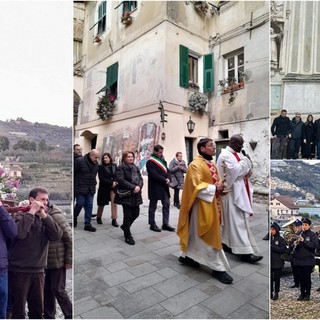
(295, 65)
(159, 64)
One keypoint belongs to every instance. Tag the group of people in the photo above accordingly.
(215, 206)
(299, 247)
(290, 138)
(121, 185)
(35, 252)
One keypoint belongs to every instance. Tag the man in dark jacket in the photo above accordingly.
(317, 136)
(279, 130)
(28, 256)
(59, 260)
(295, 136)
(278, 246)
(85, 172)
(158, 188)
(304, 258)
(8, 231)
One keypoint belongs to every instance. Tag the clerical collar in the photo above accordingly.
(206, 156)
(231, 150)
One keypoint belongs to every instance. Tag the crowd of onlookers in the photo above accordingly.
(293, 139)
(35, 253)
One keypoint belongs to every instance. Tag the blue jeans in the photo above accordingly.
(3, 295)
(85, 202)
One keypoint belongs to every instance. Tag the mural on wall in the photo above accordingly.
(140, 140)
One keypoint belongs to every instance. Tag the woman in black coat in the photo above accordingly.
(107, 184)
(304, 258)
(278, 246)
(128, 193)
(308, 133)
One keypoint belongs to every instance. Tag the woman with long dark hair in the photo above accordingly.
(107, 185)
(128, 193)
(308, 133)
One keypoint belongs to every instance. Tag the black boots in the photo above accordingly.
(114, 223)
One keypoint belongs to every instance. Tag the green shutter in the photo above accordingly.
(102, 10)
(184, 70)
(112, 75)
(208, 82)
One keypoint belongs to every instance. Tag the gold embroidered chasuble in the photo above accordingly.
(198, 177)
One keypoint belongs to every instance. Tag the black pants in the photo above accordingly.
(26, 287)
(305, 279)
(129, 215)
(275, 278)
(55, 288)
(294, 148)
(295, 274)
(176, 199)
(165, 209)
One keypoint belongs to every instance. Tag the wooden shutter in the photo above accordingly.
(208, 80)
(112, 75)
(184, 70)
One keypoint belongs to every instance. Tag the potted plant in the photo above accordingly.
(198, 102)
(126, 19)
(201, 7)
(105, 106)
(8, 187)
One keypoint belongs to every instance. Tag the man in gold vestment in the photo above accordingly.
(200, 215)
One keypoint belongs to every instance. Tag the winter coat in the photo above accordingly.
(278, 246)
(157, 176)
(85, 172)
(304, 254)
(29, 250)
(124, 176)
(178, 169)
(280, 127)
(317, 129)
(296, 129)
(60, 252)
(308, 131)
(8, 231)
(107, 175)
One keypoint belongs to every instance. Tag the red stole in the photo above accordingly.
(215, 179)
(245, 179)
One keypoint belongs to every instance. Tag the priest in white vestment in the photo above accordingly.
(235, 166)
(200, 215)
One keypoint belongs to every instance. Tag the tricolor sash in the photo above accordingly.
(159, 163)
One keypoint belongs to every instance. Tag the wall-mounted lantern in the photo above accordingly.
(190, 125)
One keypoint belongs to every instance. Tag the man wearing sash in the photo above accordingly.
(200, 214)
(237, 203)
(158, 188)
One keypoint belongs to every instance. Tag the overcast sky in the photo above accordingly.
(36, 61)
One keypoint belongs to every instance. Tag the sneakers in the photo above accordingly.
(155, 228)
(167, 227)
(222, 276)
(189, 262)
(90, 228)
(114, 223)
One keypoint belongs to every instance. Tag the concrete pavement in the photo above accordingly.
(114, 280)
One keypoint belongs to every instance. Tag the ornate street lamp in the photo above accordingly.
(190, 125)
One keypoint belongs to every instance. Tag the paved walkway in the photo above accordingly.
(114, 280)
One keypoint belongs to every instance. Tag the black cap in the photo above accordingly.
(306, 220)
(275, 226)
(297, 223)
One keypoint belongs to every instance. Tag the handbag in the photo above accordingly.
(123, 193)
(173, 182)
